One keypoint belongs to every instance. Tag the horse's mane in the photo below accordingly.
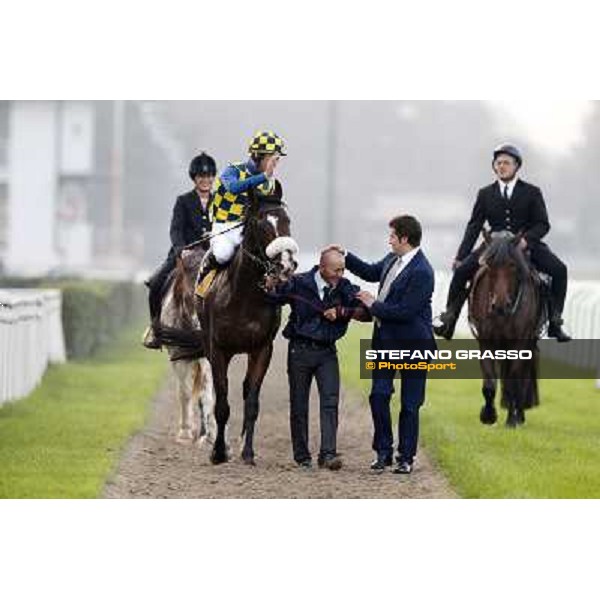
(187, 267)
(502, 251)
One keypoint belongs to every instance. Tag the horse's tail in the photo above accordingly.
(529, 380)
(532, 397)
(197, 380)
(202, 377)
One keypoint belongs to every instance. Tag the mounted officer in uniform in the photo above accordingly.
(509, 204)
(189, 223)
(231, 197)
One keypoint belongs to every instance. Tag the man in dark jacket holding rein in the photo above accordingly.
(322, 304)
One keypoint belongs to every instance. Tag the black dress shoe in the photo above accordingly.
(381, 462)
(305, 464)
(403, 468)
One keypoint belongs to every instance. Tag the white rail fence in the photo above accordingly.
(31, 333)
(31, 337)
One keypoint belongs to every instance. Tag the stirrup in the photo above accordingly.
(204, 284)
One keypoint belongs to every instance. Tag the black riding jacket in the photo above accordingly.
(524, 212)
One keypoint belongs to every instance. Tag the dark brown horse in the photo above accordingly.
(504, 313)
(236, 317)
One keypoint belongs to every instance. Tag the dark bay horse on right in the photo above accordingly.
(505, 312)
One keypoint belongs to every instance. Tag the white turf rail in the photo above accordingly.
(31, 334)
(31, 337)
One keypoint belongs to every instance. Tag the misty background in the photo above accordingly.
(90, 186)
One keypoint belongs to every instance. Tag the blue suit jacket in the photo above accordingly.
(405, 314)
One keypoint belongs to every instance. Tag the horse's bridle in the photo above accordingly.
(268, 267)
(516, 303)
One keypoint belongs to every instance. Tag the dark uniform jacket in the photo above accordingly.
(306, 319)
(189, 222)
(524, 212)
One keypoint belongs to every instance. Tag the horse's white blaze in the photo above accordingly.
(274, 221)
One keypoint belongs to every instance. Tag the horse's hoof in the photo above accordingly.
(249, 460)
(487, 416)
(204, 440)
(512, 422)
(218, 458)
(185, 436)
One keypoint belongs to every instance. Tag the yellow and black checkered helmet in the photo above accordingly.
(266, 142)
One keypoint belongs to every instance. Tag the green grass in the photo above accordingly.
(556, 455)
(63, 439)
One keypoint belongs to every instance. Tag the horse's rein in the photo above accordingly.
(208, 236)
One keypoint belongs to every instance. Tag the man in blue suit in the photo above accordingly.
(402, 315)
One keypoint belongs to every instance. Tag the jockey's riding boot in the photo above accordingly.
(150, 340)
(450, 316)
(555, 329)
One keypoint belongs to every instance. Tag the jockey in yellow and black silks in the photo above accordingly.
(230, 196)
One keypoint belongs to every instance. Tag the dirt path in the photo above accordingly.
(155, 466)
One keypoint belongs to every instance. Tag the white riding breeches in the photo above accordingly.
(223, 245)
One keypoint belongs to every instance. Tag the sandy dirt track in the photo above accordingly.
(154, 465)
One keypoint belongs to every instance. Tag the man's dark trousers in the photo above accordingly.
(305, 361)
(412, 396)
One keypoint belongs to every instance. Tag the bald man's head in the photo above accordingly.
(332, 266)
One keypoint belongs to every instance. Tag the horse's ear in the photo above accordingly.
(253, 201)
(278, 192)
(487, 236)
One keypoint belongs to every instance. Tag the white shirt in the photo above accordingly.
(321, 283)
(511, 186)
(395, 271)
(406, 258)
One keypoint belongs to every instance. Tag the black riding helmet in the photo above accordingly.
(510, 150)
(203, 164)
